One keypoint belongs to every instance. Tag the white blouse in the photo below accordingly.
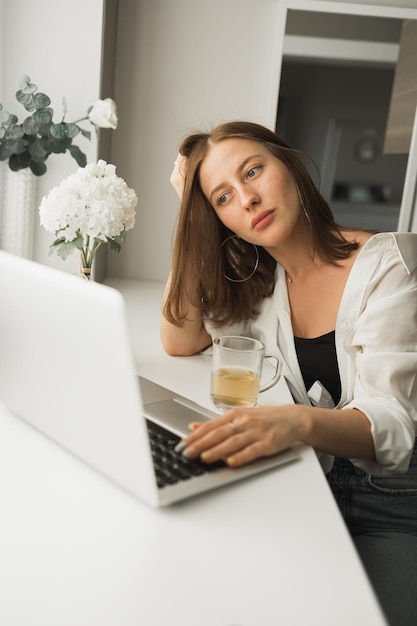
(376, 346)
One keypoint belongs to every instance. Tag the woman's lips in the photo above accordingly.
(262, 219)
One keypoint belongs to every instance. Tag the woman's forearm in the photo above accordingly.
(345, 433)
(190, 337)
(264, 431)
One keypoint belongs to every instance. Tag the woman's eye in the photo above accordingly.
(223, 198)
(253, 171)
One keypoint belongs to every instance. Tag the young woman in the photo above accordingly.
(258, 252)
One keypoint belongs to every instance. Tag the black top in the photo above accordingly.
(318, 361)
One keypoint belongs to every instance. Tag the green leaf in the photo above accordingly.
(38, 167)
(15, 132)
(28, 139)
(7, 119)
(44, 131)
(58, 146)
(57, 131)
(26, 99)
(25, 85)
(45, 143)
(19, 161)
(4, 153)
(39, 159)
(64, 107)
(16, 146)
(78, 155)
(42, 101)
(72, 130)
(30, 126)
(43, 116)
(65, 248)
(114, 245)
(37, 150)
(85, 133)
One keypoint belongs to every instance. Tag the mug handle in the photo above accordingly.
(276, 376)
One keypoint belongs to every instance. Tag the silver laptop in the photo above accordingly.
(67, 368)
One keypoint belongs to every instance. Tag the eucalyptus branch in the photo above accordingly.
(30, 143)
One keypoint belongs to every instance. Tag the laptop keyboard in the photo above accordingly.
(172, 467)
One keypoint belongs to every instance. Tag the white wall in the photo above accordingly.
(58, 44)
(182, 65)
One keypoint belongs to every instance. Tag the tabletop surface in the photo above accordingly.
(77, 550)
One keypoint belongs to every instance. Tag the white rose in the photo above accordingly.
(103, 114)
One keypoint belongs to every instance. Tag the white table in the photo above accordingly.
(77, 551)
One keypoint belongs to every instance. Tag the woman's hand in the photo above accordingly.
(178, 174)
(243, 435)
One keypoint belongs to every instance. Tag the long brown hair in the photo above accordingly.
(200, 263)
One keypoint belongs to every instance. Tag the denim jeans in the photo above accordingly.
(381, 515)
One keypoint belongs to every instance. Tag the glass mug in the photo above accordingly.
(236, 372)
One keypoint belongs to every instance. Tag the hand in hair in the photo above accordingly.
(178, 173)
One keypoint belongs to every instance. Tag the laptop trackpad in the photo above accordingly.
(176, 414)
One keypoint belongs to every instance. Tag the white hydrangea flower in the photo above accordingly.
(93, 202)
(89, 207)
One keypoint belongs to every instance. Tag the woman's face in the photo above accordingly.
(251, 191)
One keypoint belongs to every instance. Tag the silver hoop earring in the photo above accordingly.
(242, 280)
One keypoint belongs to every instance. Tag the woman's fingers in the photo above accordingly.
(217, 444)
(239, 436)
(178, 174)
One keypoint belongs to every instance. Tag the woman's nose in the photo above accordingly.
(249, 197)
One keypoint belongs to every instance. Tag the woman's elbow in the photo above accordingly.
(183, 346)
(174, 348)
